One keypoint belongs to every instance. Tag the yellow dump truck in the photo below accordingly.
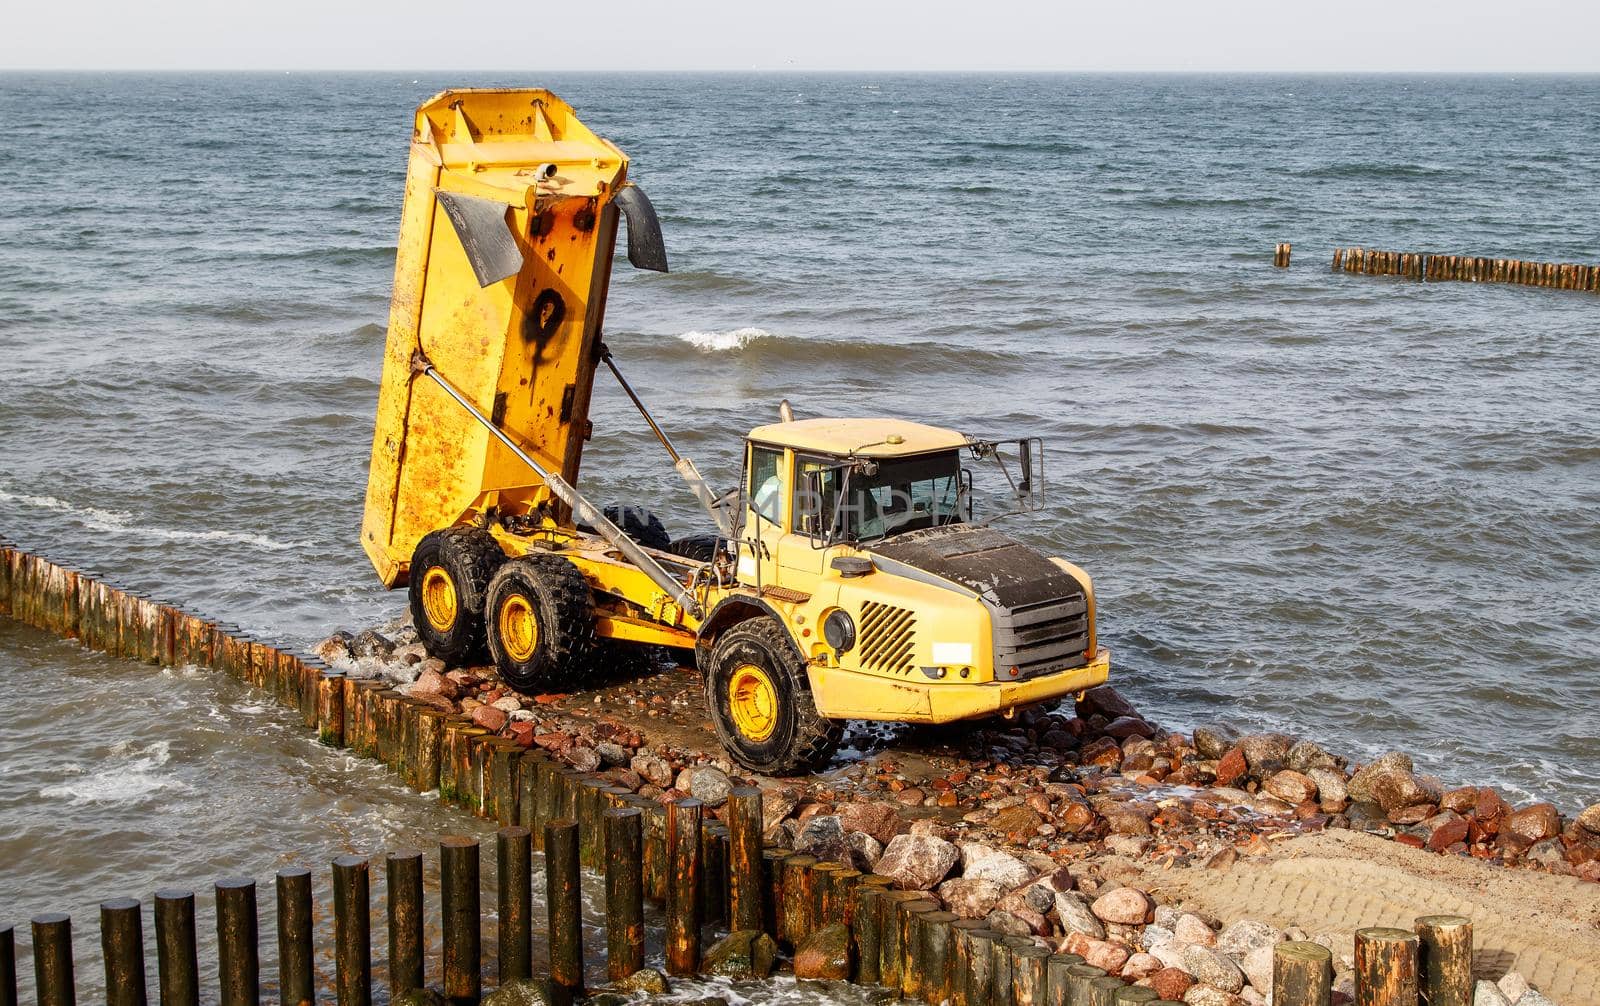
(845, 578)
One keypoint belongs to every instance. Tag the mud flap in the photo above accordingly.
(485, 235)
(646, 249)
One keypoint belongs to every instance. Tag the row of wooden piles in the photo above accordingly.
(1466, 269)
(709, 874)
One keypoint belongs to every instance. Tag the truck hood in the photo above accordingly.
(1001, 570)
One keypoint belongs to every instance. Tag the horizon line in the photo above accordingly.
(925, 71)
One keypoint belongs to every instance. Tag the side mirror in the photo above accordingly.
(1030, 480)
(849, 566)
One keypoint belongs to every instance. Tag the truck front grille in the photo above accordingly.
(887, 637)
(1041, 638)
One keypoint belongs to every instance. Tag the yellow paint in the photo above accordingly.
(519, 628)
(871, 438)
(753, 703)
(439, 599)
(846, 694)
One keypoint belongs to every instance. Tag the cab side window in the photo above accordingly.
(765, 489)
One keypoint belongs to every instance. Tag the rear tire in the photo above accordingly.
(760, 702)
(450, 574)
(540, 618)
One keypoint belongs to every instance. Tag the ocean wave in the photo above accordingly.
(128, 776)
(122, 522)
(722, 342)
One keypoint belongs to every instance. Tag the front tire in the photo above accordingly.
(540, 616)
(449, 578)
(761, 705)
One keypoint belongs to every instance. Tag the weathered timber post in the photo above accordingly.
(933, 956)
(794, 917)
(177, 961)
(1080, 983)
(1134, 995)
(1302, 974)
(1444, 960)
(330, 709)
(528, 797)
(238, 949)
(1029, 981)
(822, 905)
(1338, 259)
(1103, 991)
(513, 850)
(1280, 256)
(53, 980)
(744, 859)
(505, 757)
(624, 892)
(683, 887)
(547, 783)
(1002, 990)
(122, 946)
(404, 876)
(889, 929)
(425, 755)
(8, 936)
(296, 983)
(1386, 967)
(352, 924)
(1058, 979)
(562, 897)
(973, 965)
(459, 908)
(713, 873)
(864, 933)
(912, 977)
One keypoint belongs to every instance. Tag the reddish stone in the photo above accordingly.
(1291, 787)
(490, 718)
(1535, 823)
(553, 741)
(1076, 817)
(880, 820)
(1414, 814)
(1231, 767)
(548, 700)
(1105, 701)
(1448, 833)
(1490, 811)
(1102, 751)
(911, 797)
(1022, 821)
(948, 799)
(1170, 983)
(1406, 838)
(522, 733)
(1462, 800)
(1124, 727)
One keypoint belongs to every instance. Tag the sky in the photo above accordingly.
(830, 35)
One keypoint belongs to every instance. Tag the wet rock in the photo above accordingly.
(524, 993)
(584, 759)
(1010, 923)
(1214, 968)
(1126, 905)
(1021, 821)
(706, 783)
(984, 862)
(1127, 818)
(1306, 755)
(369, 644)
(491, 719)
(1171, 983)
(1076, 916)
(1266, 753)
(1589, 819)
(1232, 767)
(1535, 823)
(1490, 811)
(1102, 751)
(613, 754)
(1192, 929)
(1331, 790)
(1291, 787)
(970, 898)
(1460, 800)
(880, 820)
(1105, 701)
(911, 797)
(335, 648)
(1124, 727)
(1395, 790)
(917, 862)
(825, 955)
(417, 997)
(1214, 741)
(646, 980)
(1485, 993)
(1445, 829)
(1394, 761)
(507, 703)
(824, 838)
(744, 954)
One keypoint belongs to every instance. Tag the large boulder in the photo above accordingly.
(1266, 753)
(1105, 701)
(917, 862)
(1214, 741)
(706, 783)
(1396, 790)
(1213, 967)
(1076, 917)
(1535, 823)
(823, 837)
(880, 820)
(824, 955)
(1589, 819)
(1331, 788)
(744, 954)
(1395, 761)
(1307, 755)
(1291, 787)
(1126, 906)
(523, 993)
(985, 862)
(646, 980)
(970, 898)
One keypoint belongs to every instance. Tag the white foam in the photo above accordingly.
(121, 522)
(129, 776)
(722, 342)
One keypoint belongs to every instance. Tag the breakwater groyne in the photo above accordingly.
(1435, 268)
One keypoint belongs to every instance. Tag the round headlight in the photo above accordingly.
(839, 630)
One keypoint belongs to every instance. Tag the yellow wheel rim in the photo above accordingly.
(753, 702)
(439, 599)
(519, 628)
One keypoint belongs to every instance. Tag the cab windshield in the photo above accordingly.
(901, 494)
